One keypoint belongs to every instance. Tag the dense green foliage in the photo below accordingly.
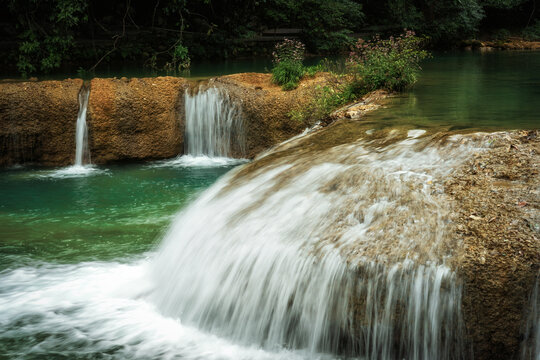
(442, 20)
(327, 25)
(287, 74)
(532, 32)
(46, 32)
(391, 64)
(37, 36)
(288, 68)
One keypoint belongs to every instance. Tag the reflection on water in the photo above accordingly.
(491, 91)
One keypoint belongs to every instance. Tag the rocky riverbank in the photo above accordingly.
(266, 106)
(511, 43)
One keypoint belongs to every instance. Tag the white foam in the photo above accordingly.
(415, 133)
(98, 308)
(74, 171)
(198, 161)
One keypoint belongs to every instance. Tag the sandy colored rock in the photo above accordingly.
(370, 102)
(136, 119)
(513, 43)
(37, 122)
(266, 107)
(497, 194)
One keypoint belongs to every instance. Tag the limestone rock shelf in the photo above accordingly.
(134, 119)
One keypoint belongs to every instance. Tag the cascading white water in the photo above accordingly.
(213, 124)
(530, 349)
(82, 154)
(82, 165)
(339, 251)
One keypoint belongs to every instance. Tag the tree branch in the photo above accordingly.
(116, 37)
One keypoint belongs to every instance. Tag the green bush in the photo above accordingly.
(46, 32)
(337, 92)
(392, 64)
(287, 74)
(288, 69)
(532, 32)
(501, 34)
(312, 70)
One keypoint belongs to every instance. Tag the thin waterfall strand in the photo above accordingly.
(82, 153)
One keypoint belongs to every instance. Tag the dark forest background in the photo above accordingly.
(39, 36)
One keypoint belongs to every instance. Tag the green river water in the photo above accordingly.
(55, 226)
(492, 91)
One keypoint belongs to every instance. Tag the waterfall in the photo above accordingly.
(82, 154)
(334, 251)
(213, 125)
(530, 349)
(82, 165)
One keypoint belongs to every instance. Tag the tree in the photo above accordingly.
(46, 31)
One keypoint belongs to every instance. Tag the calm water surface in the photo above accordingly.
(492, 91)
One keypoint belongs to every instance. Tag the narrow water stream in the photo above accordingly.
(82, 153)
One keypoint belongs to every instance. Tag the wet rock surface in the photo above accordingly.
(492, 240)
(266, 107)
(37, 122)
(370, 102)
(497, 195)
(136, 119)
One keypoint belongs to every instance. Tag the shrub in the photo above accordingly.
(289, 50)
(532, 32)
(501, 34)
(328, 98)
(312, 70)
(287, 74)
(392, 64)
(288, 69)
(180, 60)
